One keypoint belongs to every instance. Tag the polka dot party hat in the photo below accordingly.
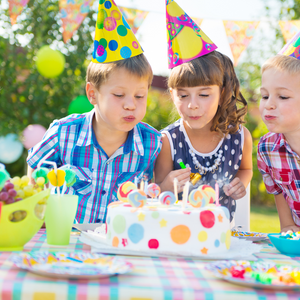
(186, 41)
(114, 40)
(292, 48)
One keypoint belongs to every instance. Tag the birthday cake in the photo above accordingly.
(199, 228)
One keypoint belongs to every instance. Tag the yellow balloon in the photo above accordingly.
(50, 63)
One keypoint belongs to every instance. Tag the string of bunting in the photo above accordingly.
(73, 12)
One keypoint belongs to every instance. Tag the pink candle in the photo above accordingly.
(217, 194)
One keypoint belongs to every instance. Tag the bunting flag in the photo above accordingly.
(198, 21)
(289, 28)
(239, 34)
(15, 8)
(134, 17)
(73, 13)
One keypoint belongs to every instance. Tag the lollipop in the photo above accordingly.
(153, 190)
(124, 189)
(208, 193)
(137, 198)
(167, 198)
(196, 199)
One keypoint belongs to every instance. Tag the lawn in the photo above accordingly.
(264, 219)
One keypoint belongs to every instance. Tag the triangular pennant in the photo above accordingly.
(198, 21)
(186, 41)
(134, 17)
(73, 13)
(292, 48)
(114, 39)
(239, 34)
(289, 28)
(15, 8)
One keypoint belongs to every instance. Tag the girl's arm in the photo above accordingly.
(237, 187)
(285, 215)
(163, 170)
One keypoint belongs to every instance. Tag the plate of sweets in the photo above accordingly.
(74, 265)
(250, 236)
(261, 274)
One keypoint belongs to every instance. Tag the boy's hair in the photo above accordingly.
(138, 65)
(214, 69)
(282, 63)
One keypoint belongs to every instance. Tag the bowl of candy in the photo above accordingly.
(22, 213)
(287, 243)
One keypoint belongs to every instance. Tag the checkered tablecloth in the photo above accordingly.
(152, 278)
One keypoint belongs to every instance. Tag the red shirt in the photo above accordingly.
(280, 168)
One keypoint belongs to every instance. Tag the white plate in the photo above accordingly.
(71, 265)
(239, 249)
(86, 226)
(220, 270)
(251, 236)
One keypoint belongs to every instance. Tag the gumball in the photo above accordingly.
(124, 189)
(137, 198)
(153, 190)
(167, 198)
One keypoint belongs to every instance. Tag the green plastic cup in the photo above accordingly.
(59, 218)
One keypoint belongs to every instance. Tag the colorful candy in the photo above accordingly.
(196, 199)
(290, 235)
(137, 198)
(153, 190)
(208, 193)
(167, 198)
(265, 273)
(57, 179)
(124, 189)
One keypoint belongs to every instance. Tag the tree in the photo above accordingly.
(26, 97)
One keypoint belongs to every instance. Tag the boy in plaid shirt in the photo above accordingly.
(278, 155)
(109, 145)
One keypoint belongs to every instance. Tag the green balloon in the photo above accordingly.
(80, 105)
(50, 63)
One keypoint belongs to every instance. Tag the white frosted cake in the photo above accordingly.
(189, 231)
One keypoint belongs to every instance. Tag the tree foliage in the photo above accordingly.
(26, 97)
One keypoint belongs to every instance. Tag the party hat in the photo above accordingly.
(292, 48)
(114, 39)
(186, 41)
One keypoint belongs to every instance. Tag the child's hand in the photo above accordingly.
(235, 189)
(182, 175)
(294, 228)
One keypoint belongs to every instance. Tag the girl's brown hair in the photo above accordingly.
(214, 69)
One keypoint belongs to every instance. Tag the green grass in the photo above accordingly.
(264, 219)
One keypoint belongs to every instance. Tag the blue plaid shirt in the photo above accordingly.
(99, 176)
